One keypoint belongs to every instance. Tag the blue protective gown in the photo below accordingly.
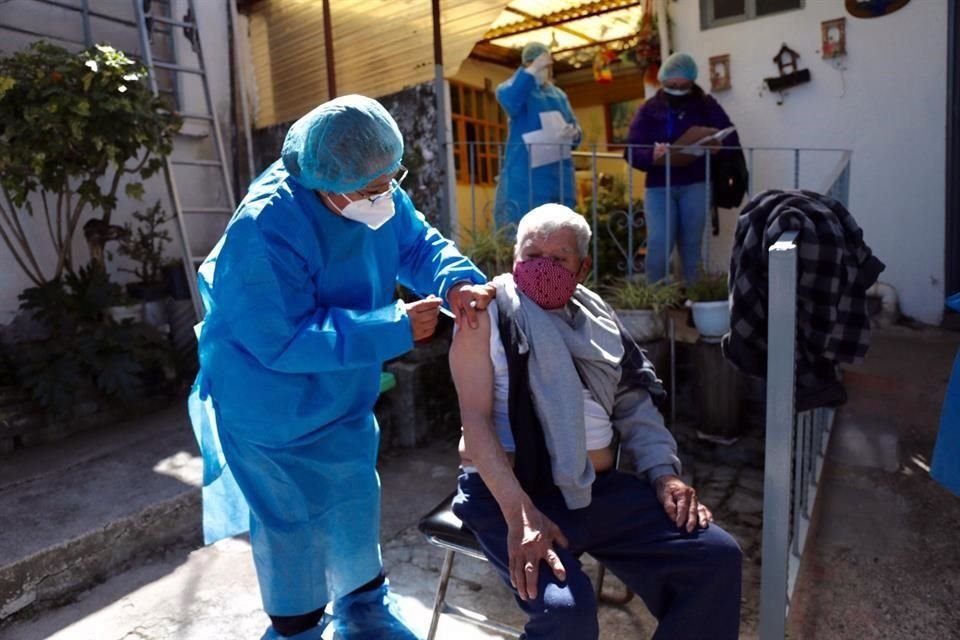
(300, 318)
(945, 467)
(522, 187)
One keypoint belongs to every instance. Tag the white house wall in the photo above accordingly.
(194, 186)
(888, 106)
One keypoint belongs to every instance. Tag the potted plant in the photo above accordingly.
(613, 246)
(642, 307)
(77, 128)
(708, 298)
(82, 352)
(144, 245)
(491, 249)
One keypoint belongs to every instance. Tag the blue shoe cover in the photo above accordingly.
(371, 615)
(315, 633)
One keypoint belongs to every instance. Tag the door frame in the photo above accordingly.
(952, 209)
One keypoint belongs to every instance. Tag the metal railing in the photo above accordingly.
(796, 443)
(478, 163)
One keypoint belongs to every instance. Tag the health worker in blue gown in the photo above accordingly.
(300, 317)
(537, 165)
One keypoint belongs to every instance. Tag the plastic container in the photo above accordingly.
(712, 319)
(719, 393)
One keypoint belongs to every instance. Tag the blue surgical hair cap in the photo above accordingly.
(532, 51)
(678, 66)
(342, 145)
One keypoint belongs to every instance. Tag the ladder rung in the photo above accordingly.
(172, 22)
(207, 210)
(197, 163)
(178, 67)
(195, 116)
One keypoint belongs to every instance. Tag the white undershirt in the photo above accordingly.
(599, 430)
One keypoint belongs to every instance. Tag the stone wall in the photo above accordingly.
(423, 406)
(24, 424)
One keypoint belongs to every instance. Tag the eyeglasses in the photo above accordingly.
(395, 182)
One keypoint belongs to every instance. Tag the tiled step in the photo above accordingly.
(79, 510)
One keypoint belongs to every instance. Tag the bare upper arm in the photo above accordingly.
(472, 368)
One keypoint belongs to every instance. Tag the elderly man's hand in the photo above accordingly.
(530, 539)
(681, 503)
(466, 299)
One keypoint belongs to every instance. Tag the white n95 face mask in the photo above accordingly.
(373, 214)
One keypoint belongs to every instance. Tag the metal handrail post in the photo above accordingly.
(666, 236)
(782, 328)
(593, 208)
(630, 251)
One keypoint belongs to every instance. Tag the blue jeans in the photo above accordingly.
(689, 581)
(688, 214)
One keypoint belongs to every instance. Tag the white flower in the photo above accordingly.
(92, 64)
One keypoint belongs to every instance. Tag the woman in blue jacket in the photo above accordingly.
(537, 166)
(679, 105)
(300, 317)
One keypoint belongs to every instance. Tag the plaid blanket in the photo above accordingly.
(835, 268)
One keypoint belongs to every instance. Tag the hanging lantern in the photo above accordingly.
(602, 66)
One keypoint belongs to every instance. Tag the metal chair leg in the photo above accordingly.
(601, 573)
(440, 600)
(606, 598)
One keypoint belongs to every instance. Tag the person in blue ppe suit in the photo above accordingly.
(300, 316)
(537, 166)
(945, 467)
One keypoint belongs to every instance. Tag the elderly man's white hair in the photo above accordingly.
(547, 218)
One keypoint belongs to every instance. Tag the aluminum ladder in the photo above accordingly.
(159, 33)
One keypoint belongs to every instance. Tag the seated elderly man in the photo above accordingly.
(544, 381)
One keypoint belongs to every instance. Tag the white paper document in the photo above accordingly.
(548, 144)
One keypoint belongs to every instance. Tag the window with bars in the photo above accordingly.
(479, 130)
(716, 13)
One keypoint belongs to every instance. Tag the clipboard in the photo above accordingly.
(694, 136)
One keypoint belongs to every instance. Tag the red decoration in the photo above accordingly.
(602, 70)
(648, 38)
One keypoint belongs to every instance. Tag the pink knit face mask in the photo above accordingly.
(545, 281)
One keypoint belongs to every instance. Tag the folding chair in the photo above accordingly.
(445, 530)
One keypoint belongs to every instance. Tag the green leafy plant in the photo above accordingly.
(630, 294)
(73, 128)
(491, 249)
(610, 262)
(144, 244)
(709, 287)
(85, 352)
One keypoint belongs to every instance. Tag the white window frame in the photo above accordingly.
(707, 21)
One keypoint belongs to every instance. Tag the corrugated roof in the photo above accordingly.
(380, 47)
(383, 46)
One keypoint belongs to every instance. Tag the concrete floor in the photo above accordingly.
(883, 561)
